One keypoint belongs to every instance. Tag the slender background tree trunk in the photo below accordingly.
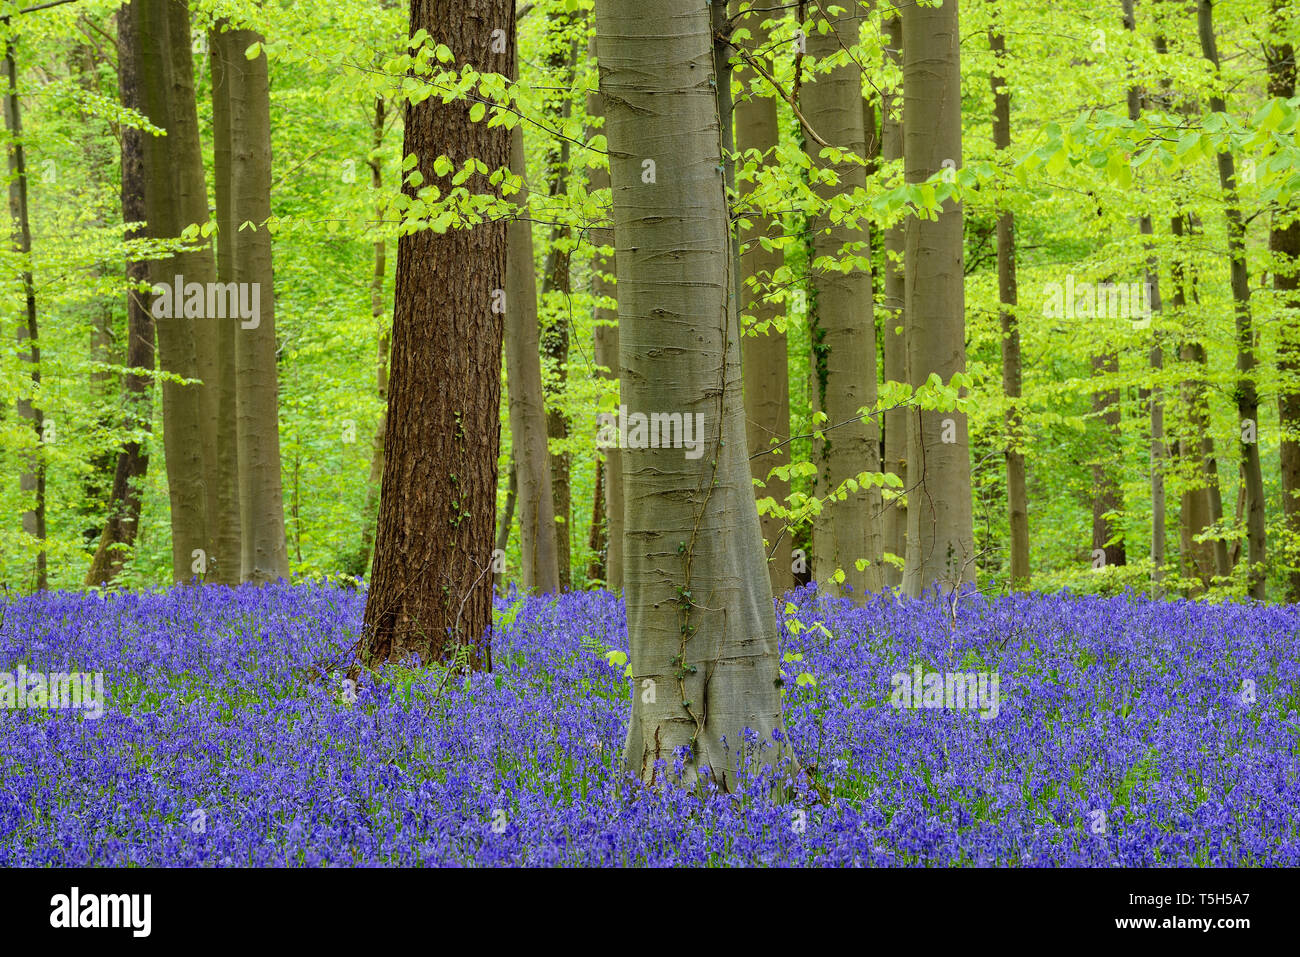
(766, 365)
(538, 532)
(132, 461)
(1017, 493)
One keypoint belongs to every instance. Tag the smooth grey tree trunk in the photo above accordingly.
(940, 539)
(764, 358)
(701, 621)
(843, 326)
(537, 528)
(893, 322)
(223, 502)
(265, 557)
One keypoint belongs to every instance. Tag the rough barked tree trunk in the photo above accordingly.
(1017, 495)
(699, 603)
(32, 478)
(766, 365)
(894, 526)
(605, 348)
(182, 418)
(1284, 244)
(1244, 390)
(843, 325)
(431, 582)
(126, 496)
(1107, 496)
(940, 539)
(264, 555)
(223, 500)
(528, 419)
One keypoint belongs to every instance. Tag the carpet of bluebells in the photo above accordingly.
(231, 739)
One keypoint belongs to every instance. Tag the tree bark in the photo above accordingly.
(699, 603)
(264, 553)
(1017, 495)
(606, 352)
(940, 538)
(376, 476)
(431, 583)
(132, 461)
(538, 531)
(32, 478)
(1107, 496)
(842, 320)
(199, 266)
(1155, 396)
(1245, 392)
(224, 510)
(763, 353)
(555, 280)
(896, 421)
(1201, 504)
(1284, 244)
(182, 413)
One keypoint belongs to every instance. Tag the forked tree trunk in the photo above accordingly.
(766, 366)
(431, 583)
(843, 326)
(264, 556)
(1017, 495)
(528, 419)
(699, 603)
(126, 496)
(940, 539)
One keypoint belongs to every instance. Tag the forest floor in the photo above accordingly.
(1125, 731)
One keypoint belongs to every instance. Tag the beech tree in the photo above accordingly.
(699, 603)
(940, 539)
